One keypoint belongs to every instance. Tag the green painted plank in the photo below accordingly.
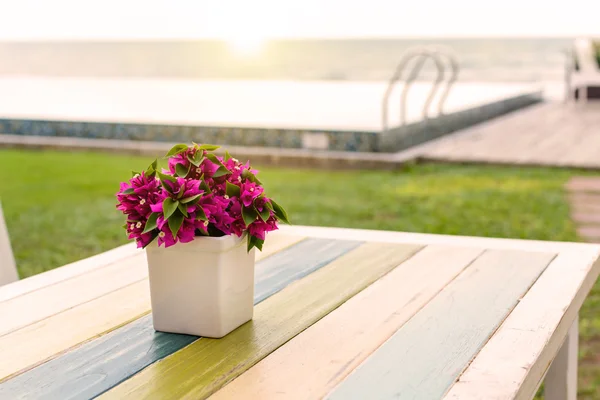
(95, 367)
(425, 357)
(203, 367)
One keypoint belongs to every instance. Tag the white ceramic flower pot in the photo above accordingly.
(203, 288)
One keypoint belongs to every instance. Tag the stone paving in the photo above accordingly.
(584, 197)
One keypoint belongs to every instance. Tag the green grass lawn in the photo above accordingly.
(60, 207)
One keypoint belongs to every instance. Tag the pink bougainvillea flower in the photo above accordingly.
(259, 228)
(200, 203)
(249, 191)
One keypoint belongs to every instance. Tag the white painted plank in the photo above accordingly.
(66, 272)
(514, 361)
(428, 239)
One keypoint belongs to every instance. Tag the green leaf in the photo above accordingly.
(169, 207)
(249, 215)
(221, 171)
(128, 191)
(227, 156)
(232, 190)
(255, 242)
(197, 159)
(208, 147)
(264, 214)
(200, 215)
(183, 209)
(204, 186)
(175, 223)
(190, 199)
(164, 177)
(152, 167)
(178, 148)
(151, 223)
(133, 173)
(215, 160)
(280, 213)
(181, 170)
(246, 174)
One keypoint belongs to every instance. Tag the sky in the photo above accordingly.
(255, 20)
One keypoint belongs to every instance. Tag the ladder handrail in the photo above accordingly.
(424, 54)
(454, 67)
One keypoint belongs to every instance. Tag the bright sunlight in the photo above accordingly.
(246, 45)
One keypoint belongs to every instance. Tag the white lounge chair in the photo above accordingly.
(8, 269)
(588, 73)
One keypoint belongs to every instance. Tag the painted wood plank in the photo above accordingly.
(205, 366)
(514, 361)
(424, 358)
(325, 353)
(561, 379)
(137, 343)
(275, 240)
(45, 302)
(106, 313)
(67, 272)
(426, 239)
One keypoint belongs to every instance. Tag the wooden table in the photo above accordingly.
(342, 314)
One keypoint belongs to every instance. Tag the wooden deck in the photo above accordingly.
(549, 134)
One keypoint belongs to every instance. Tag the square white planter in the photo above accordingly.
(203, 288)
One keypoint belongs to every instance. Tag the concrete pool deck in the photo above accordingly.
(336, 116)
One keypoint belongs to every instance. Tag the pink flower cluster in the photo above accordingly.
(200, 194)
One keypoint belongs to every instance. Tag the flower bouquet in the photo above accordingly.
(193, 219)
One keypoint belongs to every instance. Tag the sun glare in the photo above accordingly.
(246, 45)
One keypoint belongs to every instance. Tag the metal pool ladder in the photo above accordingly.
(437, 54)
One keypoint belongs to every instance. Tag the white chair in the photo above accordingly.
(588, 73)
(8, 269)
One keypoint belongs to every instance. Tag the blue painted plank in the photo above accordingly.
(425, 356)
(94, 367)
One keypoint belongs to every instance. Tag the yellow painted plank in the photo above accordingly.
(22, 349)
(324, 354)
(203, 367)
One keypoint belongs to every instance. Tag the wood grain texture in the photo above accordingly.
(275, 241)
(205, 366)
(424, 358)
(67, 272)
(98, 365)
(426, 239)
(325, 353)
(23, 349)
(66, 329)
(43, 303)
(514, 361)
(548, 134)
